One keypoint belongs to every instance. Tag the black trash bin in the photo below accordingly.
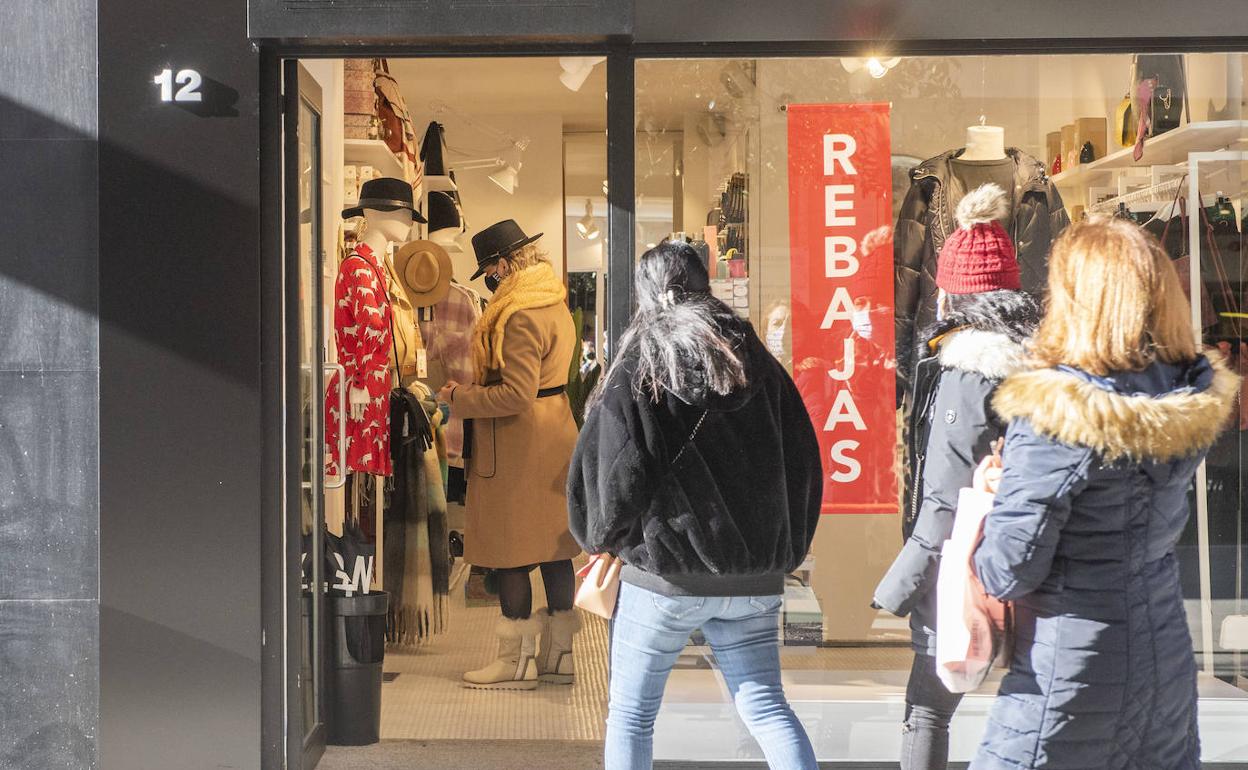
(357, 648)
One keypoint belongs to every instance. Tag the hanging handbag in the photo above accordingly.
(600, 586)
(1183, 262)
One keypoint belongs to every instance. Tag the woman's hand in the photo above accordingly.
(447, 390)
(988, 475)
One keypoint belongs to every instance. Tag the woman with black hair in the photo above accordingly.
(698, 467)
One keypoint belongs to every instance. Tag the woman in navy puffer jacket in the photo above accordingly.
(1102, 446)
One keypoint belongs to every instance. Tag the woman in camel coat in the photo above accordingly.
(522, 440)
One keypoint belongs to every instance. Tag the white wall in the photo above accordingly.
(537, 204)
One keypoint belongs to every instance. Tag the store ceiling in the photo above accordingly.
(504, 86)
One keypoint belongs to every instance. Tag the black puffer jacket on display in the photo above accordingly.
(926, 219)
(952, 427)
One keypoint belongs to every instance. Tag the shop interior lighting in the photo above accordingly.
(875, 66)
(586, 227)
(576, 70)
(505, 167)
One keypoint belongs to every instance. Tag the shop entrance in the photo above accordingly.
(377, 586)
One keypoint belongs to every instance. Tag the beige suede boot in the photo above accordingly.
(516, 667)
(554, 660)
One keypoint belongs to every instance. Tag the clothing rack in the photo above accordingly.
(1163, 191)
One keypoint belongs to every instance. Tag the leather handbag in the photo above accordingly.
(600, 585)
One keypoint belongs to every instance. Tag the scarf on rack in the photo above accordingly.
(533, 287)
(417, 558)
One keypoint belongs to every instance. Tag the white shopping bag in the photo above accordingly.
(970, 625)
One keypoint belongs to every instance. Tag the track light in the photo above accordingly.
(586, 227)
(576, 70)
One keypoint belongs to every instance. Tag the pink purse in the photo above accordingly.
(600, 585)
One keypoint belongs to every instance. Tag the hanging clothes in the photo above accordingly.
(417, 554)
(449, 336)
(1037, 218)
(362, 324)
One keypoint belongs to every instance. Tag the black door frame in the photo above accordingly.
(622, 56)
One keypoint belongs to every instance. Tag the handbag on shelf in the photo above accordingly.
(1159, 85)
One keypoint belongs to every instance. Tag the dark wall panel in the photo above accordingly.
(180, 439)
(49, 370)
(734, 21)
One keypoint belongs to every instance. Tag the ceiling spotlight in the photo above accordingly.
(712, 129)
(736, 80)
(875, 66)
(586, 227)
(576, 70)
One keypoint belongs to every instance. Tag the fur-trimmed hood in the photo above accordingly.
(1163, 413)
(987, 334)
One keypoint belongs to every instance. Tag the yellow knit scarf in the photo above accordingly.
(533, 287)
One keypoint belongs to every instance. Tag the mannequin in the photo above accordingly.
(984, 143)
(383, 231)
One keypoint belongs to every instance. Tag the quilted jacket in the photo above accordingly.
(926, 219)
(1082, 538)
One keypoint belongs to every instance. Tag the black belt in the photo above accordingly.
(541, 393)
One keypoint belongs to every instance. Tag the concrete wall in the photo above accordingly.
(49, 386)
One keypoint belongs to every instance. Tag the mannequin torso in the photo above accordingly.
(984, 143)
(383, 230)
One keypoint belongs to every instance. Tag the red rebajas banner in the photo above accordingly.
(841, 252)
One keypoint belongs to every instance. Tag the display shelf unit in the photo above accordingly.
(372, 152)
(1165, 149)
(439, 184)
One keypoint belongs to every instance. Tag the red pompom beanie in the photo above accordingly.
(979, 255)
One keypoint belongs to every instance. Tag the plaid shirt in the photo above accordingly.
(449, 342)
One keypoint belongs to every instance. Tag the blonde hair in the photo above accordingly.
(527, 255)
(1115, 302)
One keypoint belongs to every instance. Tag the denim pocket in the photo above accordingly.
(766, 604)
(678, 607)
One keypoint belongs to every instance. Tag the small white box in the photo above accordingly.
(741, 302)
(740, 291)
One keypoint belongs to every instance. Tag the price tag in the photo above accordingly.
(422, 363)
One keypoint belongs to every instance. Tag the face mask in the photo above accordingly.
(862, 323)
(775, 341)
(492, 281)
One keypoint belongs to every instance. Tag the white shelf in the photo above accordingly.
(1163, 150)
(439, 184)
(375, 153)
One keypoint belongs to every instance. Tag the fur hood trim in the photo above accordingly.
(992, 354)
(1069, 409)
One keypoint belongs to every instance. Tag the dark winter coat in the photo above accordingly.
(1082, 537)
(926, 219)
(726, 514)
(952, 428)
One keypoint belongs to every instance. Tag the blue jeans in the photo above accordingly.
(650, 630)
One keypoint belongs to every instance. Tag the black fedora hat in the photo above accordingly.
(384, 194)
(497, 241)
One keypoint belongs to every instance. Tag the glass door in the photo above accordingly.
(305, 394)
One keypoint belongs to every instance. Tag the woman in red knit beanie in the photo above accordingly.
(984, 321)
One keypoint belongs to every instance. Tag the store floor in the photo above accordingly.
(850, 699)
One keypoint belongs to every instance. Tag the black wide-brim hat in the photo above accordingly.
(384, 194)
(497, 241)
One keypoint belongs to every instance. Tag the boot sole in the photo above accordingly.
(522, 684)
(557, 678)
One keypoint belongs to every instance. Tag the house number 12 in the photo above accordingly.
(189, 80)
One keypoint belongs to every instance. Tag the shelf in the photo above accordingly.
(439, 184)
(375, 153)
(1166, 149)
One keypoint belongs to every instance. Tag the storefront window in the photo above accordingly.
(1060, 135)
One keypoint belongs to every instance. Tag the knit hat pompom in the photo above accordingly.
(984, 204)
(979, 256)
